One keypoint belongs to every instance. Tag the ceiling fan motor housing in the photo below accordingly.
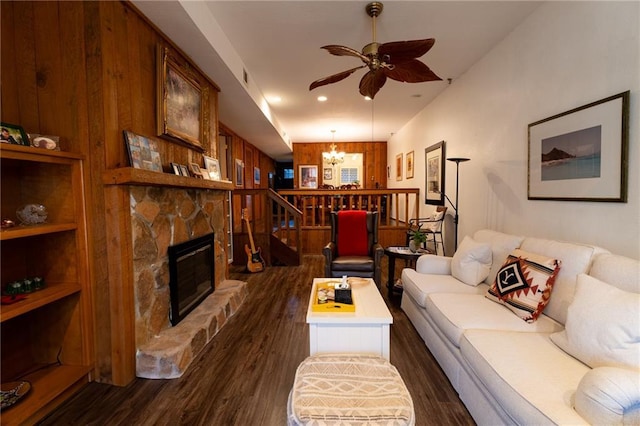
(374, 9)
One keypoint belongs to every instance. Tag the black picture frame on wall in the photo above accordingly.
(434, 160)
(581, 154)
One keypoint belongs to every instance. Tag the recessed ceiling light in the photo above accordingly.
(322, 98)
(274, 99)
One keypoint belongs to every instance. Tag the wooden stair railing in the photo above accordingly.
(286, 230)
(275, 223)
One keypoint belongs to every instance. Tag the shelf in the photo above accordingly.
(37, 299)
(34, 230)
(131, 176)
(27, 153)
(47, 385)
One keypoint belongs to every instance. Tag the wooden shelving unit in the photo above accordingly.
(47, 337)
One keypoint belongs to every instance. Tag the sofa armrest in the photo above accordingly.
(609, 395)
(432, 264)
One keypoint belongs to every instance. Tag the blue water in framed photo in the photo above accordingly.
(573, 168)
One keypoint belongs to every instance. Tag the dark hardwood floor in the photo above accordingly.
(244, 375)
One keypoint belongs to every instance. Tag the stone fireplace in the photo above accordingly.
(163, 217)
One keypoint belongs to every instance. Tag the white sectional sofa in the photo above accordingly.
(577, 363)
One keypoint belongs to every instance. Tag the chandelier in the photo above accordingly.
(333, 157)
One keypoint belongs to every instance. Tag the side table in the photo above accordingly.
(394, 253)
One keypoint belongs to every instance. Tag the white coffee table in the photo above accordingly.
(364, 331)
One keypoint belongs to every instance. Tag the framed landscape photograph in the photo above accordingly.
(434, 157)
(143, 152)
(308, 176)
(399, 167)
(410, 165)
(183, 103)
(256, 176)
(581, 154)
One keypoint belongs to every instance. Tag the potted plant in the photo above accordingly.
(418, 238)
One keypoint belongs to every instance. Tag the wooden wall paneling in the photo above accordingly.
(96, 161)
(25, 58)
(74, 125)
(121, 307)
(51, 107)
(10, 89)
(375, 159)
(248, 165)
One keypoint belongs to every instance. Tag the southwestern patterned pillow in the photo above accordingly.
(524, 283)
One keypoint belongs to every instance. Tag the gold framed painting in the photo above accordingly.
(399, 167)
(183, 101)
(410, 165)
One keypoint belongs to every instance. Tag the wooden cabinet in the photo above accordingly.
(47, 338)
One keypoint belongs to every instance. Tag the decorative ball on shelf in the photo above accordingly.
(32, 214)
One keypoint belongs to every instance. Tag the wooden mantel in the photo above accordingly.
(131, 176)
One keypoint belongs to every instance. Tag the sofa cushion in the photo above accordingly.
(622, 272)
(603, 325)
(420, 286)
(456, 313)
(576, 259)
(524, 283)
(609, 396)
(501, 245)
(526, 373)
(471, 263)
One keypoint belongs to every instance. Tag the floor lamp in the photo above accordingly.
(456, 160)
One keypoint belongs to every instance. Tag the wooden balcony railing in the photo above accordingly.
(395, 206)
(300, 219)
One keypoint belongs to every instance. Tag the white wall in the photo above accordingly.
(564, 55)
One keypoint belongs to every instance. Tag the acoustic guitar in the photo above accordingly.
(255, 262)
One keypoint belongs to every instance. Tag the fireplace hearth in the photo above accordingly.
(191, 275)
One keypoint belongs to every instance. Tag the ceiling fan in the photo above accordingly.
(395, 60)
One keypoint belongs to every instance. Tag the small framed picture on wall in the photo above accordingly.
(239, 172)
(399, 167)
(410, 165)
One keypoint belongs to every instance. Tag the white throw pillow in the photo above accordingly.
(603, 325)
(434, 222)
(471, 263)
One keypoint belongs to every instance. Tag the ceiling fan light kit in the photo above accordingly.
(395, 60)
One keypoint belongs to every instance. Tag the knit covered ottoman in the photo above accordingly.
(349, 389)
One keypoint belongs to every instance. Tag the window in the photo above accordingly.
(288, 174)
(348, 175)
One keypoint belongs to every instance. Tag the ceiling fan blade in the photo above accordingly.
(372, 82)
(401, 51)
(338, 50)
(412, 71)
(334, 78)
